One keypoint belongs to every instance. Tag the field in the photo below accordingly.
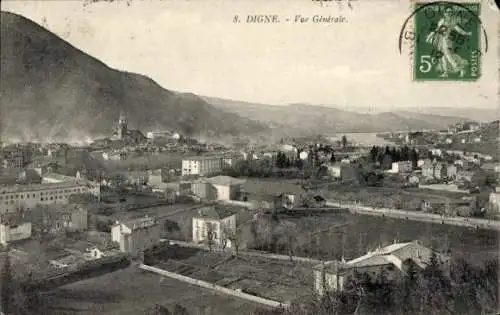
(323, 236)
(132, 291)
(410, 198)
(272, 279)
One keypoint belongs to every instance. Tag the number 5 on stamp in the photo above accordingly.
(447, 42)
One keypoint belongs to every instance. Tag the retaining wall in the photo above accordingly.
(248, 252)
(214, 287)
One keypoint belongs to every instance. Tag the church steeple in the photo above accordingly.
(122, 125)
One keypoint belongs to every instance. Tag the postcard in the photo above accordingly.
(249, 157)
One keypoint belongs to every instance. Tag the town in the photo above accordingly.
(266, 229)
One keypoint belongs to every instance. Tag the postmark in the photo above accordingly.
(446, 40)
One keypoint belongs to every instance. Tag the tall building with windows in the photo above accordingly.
(26, 197)
(202, 165)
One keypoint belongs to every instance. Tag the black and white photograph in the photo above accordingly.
(250, 157)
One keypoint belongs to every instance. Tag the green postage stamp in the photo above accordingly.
(447, 41)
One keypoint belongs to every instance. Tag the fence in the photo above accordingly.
(214, 287)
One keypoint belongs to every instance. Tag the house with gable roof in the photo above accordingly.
(275, 193)
(214, 221)
(136, 235)
(395, 259)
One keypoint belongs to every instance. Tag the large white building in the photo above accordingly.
(202, 165)
(163, 134)
(11, 232)
(26, 197)
(401, 167)
(218, 222)
(218, 188)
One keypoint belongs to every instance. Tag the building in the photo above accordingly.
(156, 177)
(401, 167)
(491, 167)
(422, 162)
(134, 236)
(202, 165)
(15, 156)
(434, 170)
(114, 156)
(163, 135)
(218, 188)
(394, 259)
(451, 172)
(14, 228)
(128, 135)
(283, 194)
(26, 197)
(436, 152)
(218, 223)
(494, 200)
(334, 170)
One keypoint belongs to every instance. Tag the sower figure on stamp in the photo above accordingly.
(441, 38)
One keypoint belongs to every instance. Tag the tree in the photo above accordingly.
(332, 158)
(373, 154)
(7, 291)
(210, 236)
(344, 141)
(280, 159)
(160, 310)
(387, 162)
(180, 310)
(235, 237)
(413, 157)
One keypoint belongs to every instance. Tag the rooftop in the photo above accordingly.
(201, 157)
(224, 180)
(55, 177)
(216, 212)
(139, 223)
(383, 256)
(264, 187)
(45, 186)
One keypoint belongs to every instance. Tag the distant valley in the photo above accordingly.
(311, 119)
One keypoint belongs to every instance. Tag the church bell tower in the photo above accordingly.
(122, 125)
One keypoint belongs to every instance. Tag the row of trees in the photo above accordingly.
(386, 156)
(460, 288)
(15, 299)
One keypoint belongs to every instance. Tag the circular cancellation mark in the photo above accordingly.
(446, 41)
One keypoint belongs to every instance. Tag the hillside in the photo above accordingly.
(52, 90)
(477, 114)
(312, 119)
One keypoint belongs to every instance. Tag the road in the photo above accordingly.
(418, 216)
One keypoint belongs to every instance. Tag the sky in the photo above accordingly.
(194, 46)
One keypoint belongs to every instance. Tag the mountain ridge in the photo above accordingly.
(320, 118)
(53, 90)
